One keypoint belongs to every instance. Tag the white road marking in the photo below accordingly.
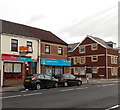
(116, 106)
(1, 93)
(32, 94)
(10, 96)
(81, 88)
(19, 95)
(23, 91)
(105, 85)
(67, 90)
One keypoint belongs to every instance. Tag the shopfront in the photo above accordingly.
(54, 67)
(15, 68)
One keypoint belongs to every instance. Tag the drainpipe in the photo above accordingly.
(106, 65)
(1, 63)
(39, 55)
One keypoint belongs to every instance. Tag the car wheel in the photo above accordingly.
(65, 84)
(79, 83)
(38, 86)
(56, 85)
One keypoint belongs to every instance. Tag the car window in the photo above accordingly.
(66, 76)
(47, 77)
(72, 76)
(40, 76)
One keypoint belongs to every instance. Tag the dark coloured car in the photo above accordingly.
(68, 79)
(38, 81)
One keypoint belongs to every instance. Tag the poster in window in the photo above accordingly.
(8, 67)
(17, 68)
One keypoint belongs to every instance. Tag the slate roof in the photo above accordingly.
(100, 41)
(8, 27)
(72, 47)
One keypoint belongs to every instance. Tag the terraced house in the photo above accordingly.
(93, 57)
(28, 50)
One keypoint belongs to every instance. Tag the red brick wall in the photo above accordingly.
(54, 51)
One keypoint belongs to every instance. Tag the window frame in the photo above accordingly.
(84, 71)
(80, 49)
(30, 46)
(47, 46)
(61, 50)
(92, 58)
(92, 46)
(95, 71)
(81, 60)
(15, 50)
(114, 71)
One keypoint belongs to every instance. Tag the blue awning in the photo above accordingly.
(55, 62)
(25, 59)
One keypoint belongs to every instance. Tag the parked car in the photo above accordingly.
(38, 81)
(68, 79)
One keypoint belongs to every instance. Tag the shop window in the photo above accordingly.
(47, 49)
(114, 71)
(113, 59)
(94, 47)
(76, 70)
(12, 70)
(29, 45)
(94, 69)
(94, 58)
(82, 60)
(49, 70)
(58, 70)
(82, 71)
(82, 49)
(60, 50)
(14, 45)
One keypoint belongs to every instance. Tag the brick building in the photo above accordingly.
(27, 50)
(93, 57)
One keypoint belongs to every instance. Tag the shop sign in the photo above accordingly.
(23, 50)
(25, 59)
(9, 57)
(55, 62)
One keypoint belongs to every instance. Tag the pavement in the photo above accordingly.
(84, 81)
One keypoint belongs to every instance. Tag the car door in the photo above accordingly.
(48, 80)
(73, 79)
(41, 78)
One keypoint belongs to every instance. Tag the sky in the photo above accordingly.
(71, 20)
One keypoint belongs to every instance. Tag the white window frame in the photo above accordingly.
(80, 49)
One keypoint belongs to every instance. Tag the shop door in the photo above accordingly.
(28, 68)
(72, 71)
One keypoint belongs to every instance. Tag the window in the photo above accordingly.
(94, 58)
(94, 47)
(29, 45)
(14, 45)
(82, 71)
(114, 71)
(76, 70)
(47, 49)
(76, 60)
(12, 70)
(82, 49)
(113, 59)
(60, 50)
(94, 69)
(82, 60)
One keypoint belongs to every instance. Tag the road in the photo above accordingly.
(86, 96)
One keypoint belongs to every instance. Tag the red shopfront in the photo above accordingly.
(14, 69)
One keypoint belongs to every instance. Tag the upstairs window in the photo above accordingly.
(113, 59)
(29, 45)
(82, 49)
(60, 50)
(94, 47)
(47, 49)
(14, 45)
(76, 60)
(82, 60)
(94, 58)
